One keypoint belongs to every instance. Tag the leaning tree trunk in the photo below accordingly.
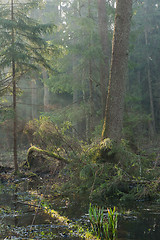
(113, 121)
(14, 97)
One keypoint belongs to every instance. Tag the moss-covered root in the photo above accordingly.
(34, 149)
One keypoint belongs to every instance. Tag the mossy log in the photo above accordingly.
(37, 156)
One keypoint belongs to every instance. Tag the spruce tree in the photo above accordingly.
(22, 49)
(113, 121)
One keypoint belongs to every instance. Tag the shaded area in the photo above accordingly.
(143, 222)
(19, 219)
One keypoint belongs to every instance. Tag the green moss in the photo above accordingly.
(35, 150)
(103, 151)
(73, 227)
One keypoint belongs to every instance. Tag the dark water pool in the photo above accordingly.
(141, 222)
(18, 219)
(137, 221)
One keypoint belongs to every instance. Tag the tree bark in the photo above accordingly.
(91, 90)
(113, 120)
(14, 96)
(152, 123)
(46, 91)
(104, 64)
(34, 98)
(75, 90)
(76, 122)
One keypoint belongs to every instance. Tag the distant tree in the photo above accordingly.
(113, 121)
(79, 66)
(22, 49)
(144, 68)
(82, 67)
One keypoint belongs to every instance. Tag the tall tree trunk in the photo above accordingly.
(14, 96)
(46, 98)
(91, 114)
(46, 91)
(75, 104)
(113, 120)
(34, 98)
(75, 90)
(85, 100)
(60, 9)
(104, 65)
(152, 123)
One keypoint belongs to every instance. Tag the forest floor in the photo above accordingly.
(128, 187)
(52, 173)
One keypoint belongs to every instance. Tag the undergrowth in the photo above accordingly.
(100, 171)
(115, 173)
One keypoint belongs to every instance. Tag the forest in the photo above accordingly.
(80, 119)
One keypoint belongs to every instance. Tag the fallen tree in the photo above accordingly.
(43, 159)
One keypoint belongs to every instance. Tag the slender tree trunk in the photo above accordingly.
(46, 92)
(152, 123)
(91, 114)
(75, 96)
(60, 9)
(113, 120)
(104, 65)
(75, 90)
(85, 100)
(46, 98)
(14, 97)
(34, 98)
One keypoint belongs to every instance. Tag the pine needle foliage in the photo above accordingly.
(29, 48)
(23, 49)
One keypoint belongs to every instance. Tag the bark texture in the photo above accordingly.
(46, 91)
(113, 120)
(104, 65)
(34, 98)
(14, 96)
(152, 125)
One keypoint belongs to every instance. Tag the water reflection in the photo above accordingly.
(143, 223)
(137, 222)
(16, 218)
